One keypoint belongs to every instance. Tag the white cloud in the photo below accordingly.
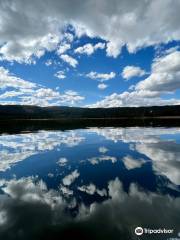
(51, 98)
(28, 30)
(70, 60)
(9, 80)
(46, 93)
(101, 76)
(25, 91)
(27, 50)
(134, 99)
(102, 86)
(170, 50)
(164, 78)
(99, 45)
(113, 48)
(10, 94)
(60, 75)
(68, 37)
(89, 48)
(132, 71)
(70, 96)
(49, 62)
(29, 93)
(63, 48)
(165, 74)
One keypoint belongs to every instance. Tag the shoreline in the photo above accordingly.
(31, 125)
(80, 119)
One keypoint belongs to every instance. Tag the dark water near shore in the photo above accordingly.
(91, 183)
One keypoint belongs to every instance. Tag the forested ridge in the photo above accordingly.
(56, 112)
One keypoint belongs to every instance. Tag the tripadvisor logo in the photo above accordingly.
(139, 231)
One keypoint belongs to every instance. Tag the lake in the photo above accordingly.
(92, 183)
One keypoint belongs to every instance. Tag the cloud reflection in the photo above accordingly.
(165, 158)
(29, 210)
(163, 152)
(32, 209)
(16, 148)
(134, 134)
(131, 163)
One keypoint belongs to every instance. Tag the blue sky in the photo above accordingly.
(53, 56)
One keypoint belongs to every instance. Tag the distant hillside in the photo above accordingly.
(35, 112)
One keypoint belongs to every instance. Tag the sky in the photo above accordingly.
(93, 53)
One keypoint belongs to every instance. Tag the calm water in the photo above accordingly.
(96, 183)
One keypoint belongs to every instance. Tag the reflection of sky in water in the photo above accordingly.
(81, 181)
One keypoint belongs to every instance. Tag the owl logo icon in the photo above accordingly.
(139, 231)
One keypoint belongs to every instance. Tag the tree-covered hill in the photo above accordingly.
(35, 112)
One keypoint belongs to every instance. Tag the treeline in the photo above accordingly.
(35, 112)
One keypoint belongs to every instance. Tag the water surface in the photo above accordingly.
(93, 183)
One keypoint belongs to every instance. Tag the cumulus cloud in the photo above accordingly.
(69, 60)
(28, 30)
(101, 76)
(49, 62)
(7, 79)
(29, 93)
(10, 94)
(60, 75)
(164, 76)
(63, 48)
(70, 96)
(134, 99)
(89, 48)
(102, 86)
(27, 50)
(132, 71)
(46, 93)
